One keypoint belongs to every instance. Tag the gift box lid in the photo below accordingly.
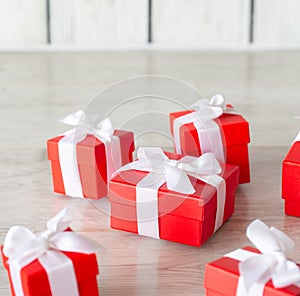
(35, 277)
(234, 126)
(90, 147)
(221, 276)
(197, 206)
(293, 156)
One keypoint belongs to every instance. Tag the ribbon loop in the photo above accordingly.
(272, 263)
(85, 125)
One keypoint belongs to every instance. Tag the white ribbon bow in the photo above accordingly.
(89, 125)
(175, 173)
(272, 263)
(22, 247)
(208, 110)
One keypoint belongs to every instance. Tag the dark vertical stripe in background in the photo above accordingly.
(251, 33)
(48, 22)
(149, 21)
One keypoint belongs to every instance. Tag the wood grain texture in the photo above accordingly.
(99, 22)
(277, 22)
(23, 23)
(200, 22)
(38, 89)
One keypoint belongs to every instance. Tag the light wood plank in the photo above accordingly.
(277, 22)
(201, 22)
(99, 22)
(23, 23)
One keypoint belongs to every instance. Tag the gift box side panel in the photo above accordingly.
(53, 156)
(86, 269)
(291, 174)
(189, 140)
(212, 293)
(123, 218)
(89, 287)
(127, 145)
(235, 129)
(6, 266)
(91, 157)
(291, 180)
(172, 228)
(239, 155)
(52, 149)
(221, 280)
(292, 208)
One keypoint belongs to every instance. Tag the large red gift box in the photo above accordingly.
(91, 159)
(235, 135)
(222, 275)
(187, 219)
(35, 281)
(291, 180)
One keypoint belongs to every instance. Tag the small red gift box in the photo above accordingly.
(235, 137)
(222, 275)
(91, 162)
(249, 271)
(36, 265)
(183, 218)
(291, 180)
(35, 282)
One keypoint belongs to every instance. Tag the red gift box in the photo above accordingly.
(183, 218)
(57, 261)
(35, 281)
(235, 135)
(291, 180)
(222, 275)
(91, 159)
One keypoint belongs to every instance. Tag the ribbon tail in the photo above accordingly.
(74, 118)
(73, 242)
(60, 222)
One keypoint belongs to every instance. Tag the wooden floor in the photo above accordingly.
(38, 89)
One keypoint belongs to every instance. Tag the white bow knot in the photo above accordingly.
(22, 246)
(272, 264)
(175, 172)
(89, 125)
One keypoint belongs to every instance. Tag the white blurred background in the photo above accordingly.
(118, 24)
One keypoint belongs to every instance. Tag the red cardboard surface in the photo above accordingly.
(291, 180)
(35, 281)
(221, 278)
(235, 135)
(188, 219)
(91, 158)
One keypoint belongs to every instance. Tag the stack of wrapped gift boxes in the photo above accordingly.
(183, 196)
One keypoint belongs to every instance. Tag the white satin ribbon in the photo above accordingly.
(22, 247)
(86, 125)
(272, 264)
(208, 130)
(175, 174)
